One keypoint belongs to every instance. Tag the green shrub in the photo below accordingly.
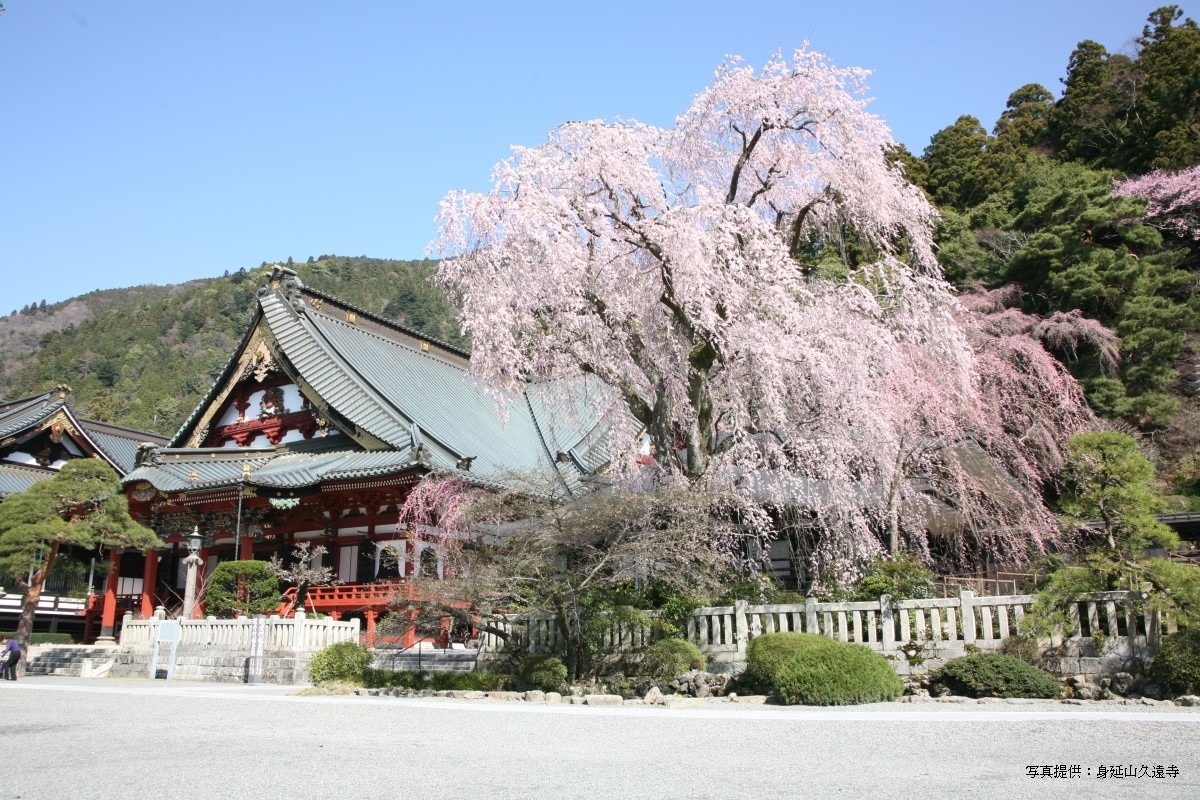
(995, 675)
(837, 674)
(343, 662)
(467, 681)
(388, 679)
(46, 638)
(674, 614)
(242, 587)
(903, 577)
(437, 681)
(542, 672)
(1023, 647)
(1176, 668)
(767, 654)
(667, 658)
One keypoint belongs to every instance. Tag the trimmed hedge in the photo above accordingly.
(1176, 667)
(547, 673)
(246, 587)
(767, 654)
(669, 658)
(836, 674)
(995, 675)
(343, 662)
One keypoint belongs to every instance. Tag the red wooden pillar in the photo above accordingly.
(108, 619)
(247, 553)
(370, 616)
(149, 577)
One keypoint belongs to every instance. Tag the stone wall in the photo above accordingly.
(215, 665)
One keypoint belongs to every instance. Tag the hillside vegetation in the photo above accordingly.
(144, 356)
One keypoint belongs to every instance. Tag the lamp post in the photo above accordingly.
(237, 537)
(194, 540)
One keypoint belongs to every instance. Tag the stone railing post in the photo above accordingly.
(160, 612)
(299, 641)
(887, 622)
(966, 601)
(810, 615)
(258, 646)
(125, 620)
(740, 628)
(1154, 630)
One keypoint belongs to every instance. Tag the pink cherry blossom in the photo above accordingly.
(669, 266)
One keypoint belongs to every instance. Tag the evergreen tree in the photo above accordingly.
(958, 174)
(81, 506)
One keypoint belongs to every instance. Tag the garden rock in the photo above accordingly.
(653, 697)
(603, 700)
(697, 683)
(1190, 700)
(1121, 683)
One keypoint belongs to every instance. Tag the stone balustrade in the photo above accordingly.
(293, 634)
(916, 634)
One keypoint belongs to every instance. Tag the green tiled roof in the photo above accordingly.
(115, 444)
(18, 477)
(19, 415)
(173, 470)
(395, 394)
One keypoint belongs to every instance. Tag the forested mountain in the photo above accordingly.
(1047, 204)
(144, 356)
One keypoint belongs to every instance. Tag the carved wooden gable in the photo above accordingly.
(259, 405)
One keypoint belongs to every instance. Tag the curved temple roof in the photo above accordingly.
(403, 402)
(28, 416)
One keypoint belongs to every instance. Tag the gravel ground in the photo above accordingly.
(63, 738)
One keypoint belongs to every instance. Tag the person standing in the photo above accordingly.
(9, 657)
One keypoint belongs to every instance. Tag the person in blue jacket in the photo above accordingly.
(9, 658)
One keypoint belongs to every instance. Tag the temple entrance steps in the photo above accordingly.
(424, 659)
(67, 660)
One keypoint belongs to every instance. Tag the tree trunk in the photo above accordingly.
(33, 594)
(893, 510)
(894, 519)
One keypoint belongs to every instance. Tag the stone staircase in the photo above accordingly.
(429, 660)
(67, 660)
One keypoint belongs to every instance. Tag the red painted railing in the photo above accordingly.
(344, 597)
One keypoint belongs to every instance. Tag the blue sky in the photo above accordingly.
(155, 142)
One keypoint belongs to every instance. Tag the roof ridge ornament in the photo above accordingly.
(287, 282)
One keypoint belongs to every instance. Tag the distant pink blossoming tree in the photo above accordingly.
(687, 269)
(1173, 199)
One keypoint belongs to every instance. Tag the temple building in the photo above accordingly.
(322, 421)
(37, 436)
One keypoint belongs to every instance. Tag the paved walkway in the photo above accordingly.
(75, 738)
